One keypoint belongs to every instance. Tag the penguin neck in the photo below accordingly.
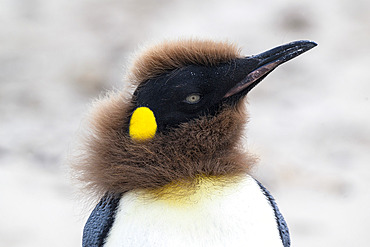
(208, 147)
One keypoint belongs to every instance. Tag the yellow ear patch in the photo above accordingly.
(142, 124)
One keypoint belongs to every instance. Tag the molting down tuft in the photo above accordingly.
(111, 162)
(171, 55)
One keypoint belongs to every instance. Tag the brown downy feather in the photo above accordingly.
(109, 161)
(168, 56)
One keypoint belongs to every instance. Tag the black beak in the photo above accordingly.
(266, 62)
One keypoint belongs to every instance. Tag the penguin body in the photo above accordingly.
(168, 160)
(238, 214)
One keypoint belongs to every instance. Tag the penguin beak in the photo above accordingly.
(266, 62)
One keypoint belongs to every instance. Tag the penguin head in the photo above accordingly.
(184, 119)
(196, 88)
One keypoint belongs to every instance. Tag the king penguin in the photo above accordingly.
(166, 158)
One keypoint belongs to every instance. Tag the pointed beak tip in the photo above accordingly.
(309, 44)
(268, 61)
(288, 51)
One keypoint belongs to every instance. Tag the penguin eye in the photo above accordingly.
(192, 98)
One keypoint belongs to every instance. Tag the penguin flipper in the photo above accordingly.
(281, 223)
(100, 221)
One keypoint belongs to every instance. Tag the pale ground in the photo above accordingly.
(310, 119)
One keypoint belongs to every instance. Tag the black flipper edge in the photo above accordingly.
(281, 224)
(100, 221)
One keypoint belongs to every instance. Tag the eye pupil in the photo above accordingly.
(193, 98)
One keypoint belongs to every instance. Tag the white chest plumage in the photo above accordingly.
(235, 215)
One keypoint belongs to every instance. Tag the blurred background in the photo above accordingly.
(309, 124)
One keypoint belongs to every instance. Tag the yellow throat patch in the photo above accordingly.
(142, 124)
(189, 194)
